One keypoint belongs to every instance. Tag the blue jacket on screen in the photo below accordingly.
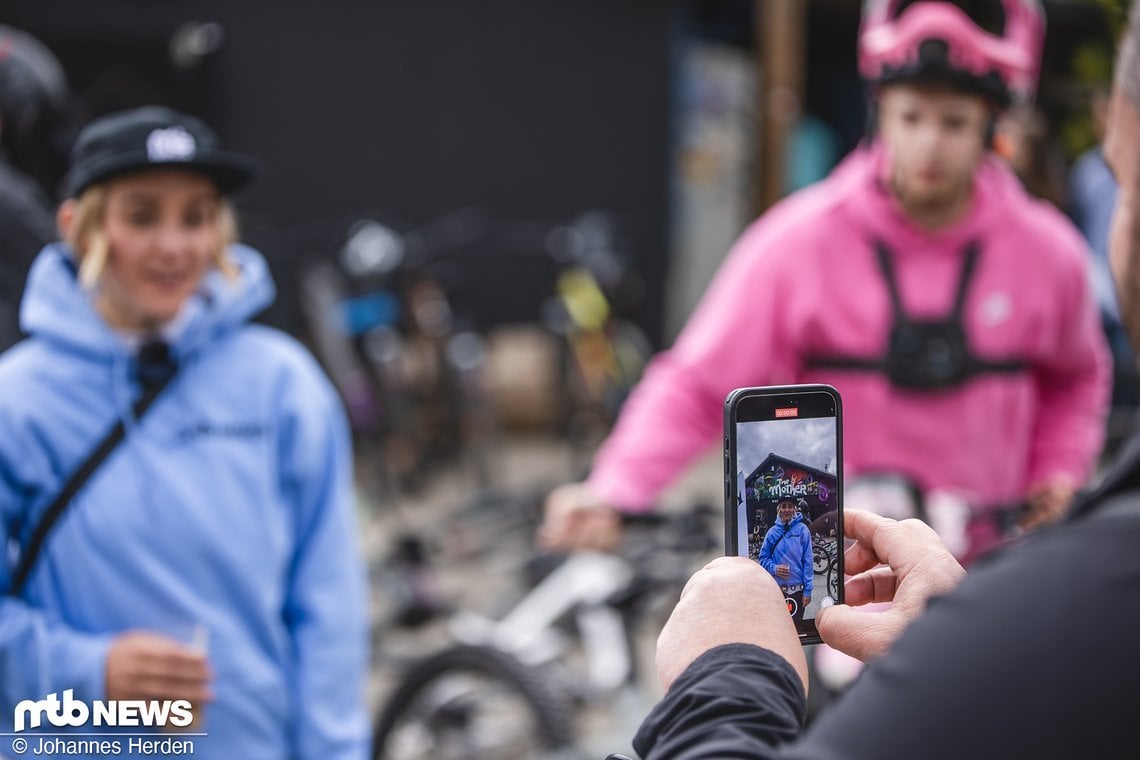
(789, 545)
(227, 507)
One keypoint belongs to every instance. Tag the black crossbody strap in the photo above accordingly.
(969, 262)
(883, 256)
(781, 538)
(154, 385)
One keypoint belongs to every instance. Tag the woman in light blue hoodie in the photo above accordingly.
(786, 555)
(208, 566)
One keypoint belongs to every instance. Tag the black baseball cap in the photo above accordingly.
(149, 137)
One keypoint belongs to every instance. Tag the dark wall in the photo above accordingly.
(403, 110)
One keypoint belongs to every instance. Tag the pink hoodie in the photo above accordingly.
(803, 280)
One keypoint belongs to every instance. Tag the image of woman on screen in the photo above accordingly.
(786, 555)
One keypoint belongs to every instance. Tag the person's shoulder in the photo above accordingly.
(1028, 224)
(269, 364)
(1011, 582)
(1053, 232)
(29, 372)
(1007, 201)
(1088, 161)
(275, 347)
(24, 362)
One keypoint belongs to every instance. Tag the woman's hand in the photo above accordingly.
(147, 665)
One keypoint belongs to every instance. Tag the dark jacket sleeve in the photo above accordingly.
(734, 701)
(1035, 655)
(26, 226)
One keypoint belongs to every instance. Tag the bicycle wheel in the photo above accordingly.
(821, 559)
(472, 702)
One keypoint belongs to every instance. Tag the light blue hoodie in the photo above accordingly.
(789, 545)
(227, 506)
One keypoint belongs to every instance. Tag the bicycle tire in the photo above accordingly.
(821, 560)
(410, 708)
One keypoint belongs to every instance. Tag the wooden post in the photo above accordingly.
(780, 43)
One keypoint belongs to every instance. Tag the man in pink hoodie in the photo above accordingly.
(951, 310)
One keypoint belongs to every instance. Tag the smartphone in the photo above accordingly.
(783, 487)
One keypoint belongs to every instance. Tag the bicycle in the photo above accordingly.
(603, 354)
(824, 555)
(473, 702)
(383, 324)
(514, 686)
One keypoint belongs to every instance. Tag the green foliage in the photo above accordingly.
(1092, 64)
(1090, 69)
(1116, 13)
(1076, 135)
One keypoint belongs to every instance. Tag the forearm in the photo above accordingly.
(1072, 403)
(329, 689)
(39, 656)
(668, 422)
(808, 565)
(327, 615)
(767, 559)
(732, 340)
(326, 612)
(326, 601)
(734, 701)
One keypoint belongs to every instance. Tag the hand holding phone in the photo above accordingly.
(698, 623)
(783, 492)
(883, 564)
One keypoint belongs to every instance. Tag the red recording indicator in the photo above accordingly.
(791, 412)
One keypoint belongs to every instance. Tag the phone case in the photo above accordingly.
(796, 423)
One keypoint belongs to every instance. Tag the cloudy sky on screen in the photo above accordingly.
(810, 442)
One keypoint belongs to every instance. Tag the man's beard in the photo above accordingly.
(931, 201)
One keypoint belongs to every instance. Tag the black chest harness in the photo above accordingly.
(925, 354)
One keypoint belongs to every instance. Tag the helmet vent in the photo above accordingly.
(933, 51)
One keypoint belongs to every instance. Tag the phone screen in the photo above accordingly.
(783, 509)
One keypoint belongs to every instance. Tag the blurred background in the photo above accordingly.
(483, 217)
(680, 118)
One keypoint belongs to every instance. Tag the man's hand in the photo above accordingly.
(145, 665)
(574, 518)
(730, 600)
(918, 566)
(1048, 503)
(783, 571)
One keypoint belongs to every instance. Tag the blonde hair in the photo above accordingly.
(88, 239)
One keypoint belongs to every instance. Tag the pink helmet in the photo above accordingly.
(1004, 65)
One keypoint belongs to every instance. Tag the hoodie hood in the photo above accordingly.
(796, 518)
(57, 309)
(875, 209)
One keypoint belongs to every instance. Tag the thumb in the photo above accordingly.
(862, 635)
